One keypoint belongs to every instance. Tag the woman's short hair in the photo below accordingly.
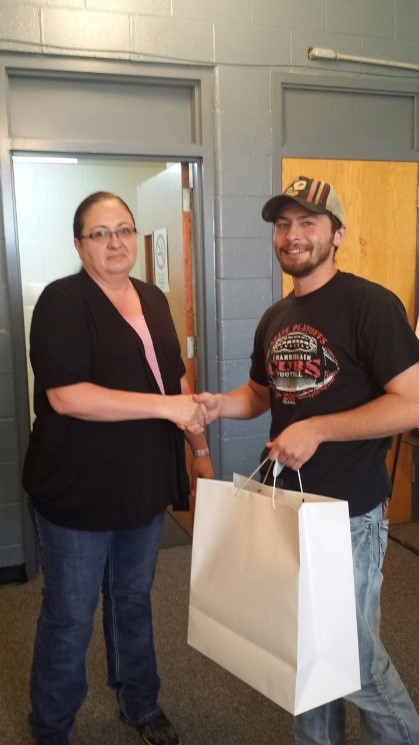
(84, 206)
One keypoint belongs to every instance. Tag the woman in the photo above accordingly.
(105, 458)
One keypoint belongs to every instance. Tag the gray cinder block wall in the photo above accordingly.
(243, 42)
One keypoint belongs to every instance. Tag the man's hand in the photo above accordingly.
(210, 404)
(295, 445)
(187, 414)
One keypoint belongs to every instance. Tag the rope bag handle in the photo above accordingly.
(277, 468)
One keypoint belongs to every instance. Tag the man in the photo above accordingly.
(338, 365)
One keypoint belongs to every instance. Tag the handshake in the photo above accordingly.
(193, 412)
(293, 447)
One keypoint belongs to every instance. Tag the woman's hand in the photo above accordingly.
(201, 468)
(186, 413)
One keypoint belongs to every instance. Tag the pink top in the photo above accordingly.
(138, 323)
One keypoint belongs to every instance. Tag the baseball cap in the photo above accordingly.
(316, 196)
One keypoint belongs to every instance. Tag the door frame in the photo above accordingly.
(369, 87)
(405, 146)
(196, 84)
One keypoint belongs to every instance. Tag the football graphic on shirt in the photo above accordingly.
(299, 364)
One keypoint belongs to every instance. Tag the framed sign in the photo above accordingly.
(161, 268)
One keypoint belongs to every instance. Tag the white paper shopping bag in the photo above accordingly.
(272, 591)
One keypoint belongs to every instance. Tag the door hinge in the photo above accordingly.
(188, 200)
(191, 347)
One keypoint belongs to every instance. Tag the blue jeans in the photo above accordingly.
(77, 565)
(387, 715)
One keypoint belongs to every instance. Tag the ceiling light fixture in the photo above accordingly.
(43, 159)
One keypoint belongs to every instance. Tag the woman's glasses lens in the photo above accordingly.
(103, 234)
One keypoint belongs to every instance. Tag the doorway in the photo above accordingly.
(47, 192)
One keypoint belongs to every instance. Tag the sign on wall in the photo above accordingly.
(161, 268)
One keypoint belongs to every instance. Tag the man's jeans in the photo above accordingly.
(387, 714)
(77, 565)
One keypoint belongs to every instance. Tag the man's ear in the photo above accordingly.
(339, 236)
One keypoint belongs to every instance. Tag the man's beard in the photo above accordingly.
(304, 269)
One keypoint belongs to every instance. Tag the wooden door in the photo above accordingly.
(380, 200)
(163, 202)
(188, 277)
(168, 197)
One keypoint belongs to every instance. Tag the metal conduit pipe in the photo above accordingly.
(318, 53)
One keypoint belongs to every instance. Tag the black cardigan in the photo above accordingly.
(102, 475)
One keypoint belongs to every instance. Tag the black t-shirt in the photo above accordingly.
(102, 475)
(329, 351)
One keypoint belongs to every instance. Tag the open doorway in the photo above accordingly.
(47, 193)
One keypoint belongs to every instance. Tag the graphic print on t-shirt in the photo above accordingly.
(299, 363)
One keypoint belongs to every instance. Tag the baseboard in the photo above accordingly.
(13, 574)
(407, 534)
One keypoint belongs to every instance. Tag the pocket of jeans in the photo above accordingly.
(383, 540)
(362, 543)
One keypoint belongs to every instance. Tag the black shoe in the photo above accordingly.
(157, 731)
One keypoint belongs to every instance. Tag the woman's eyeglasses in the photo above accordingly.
(105, 235)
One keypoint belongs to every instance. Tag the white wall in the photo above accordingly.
(243, 42)
(47, 195)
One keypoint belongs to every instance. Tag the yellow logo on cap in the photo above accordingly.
(300, 185)
(295, 188)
